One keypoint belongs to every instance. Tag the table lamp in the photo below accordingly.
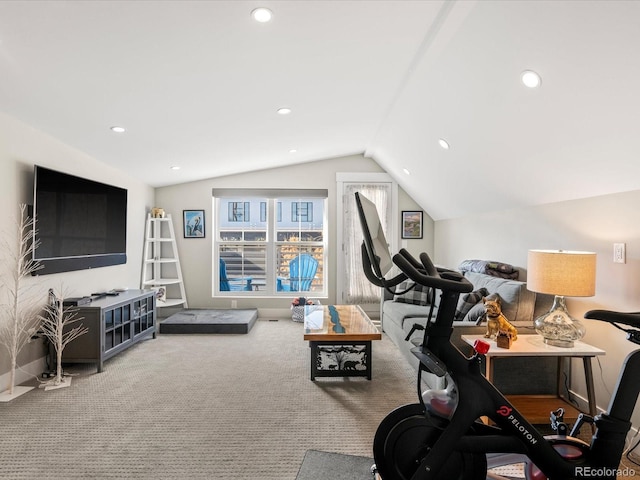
(563, 274)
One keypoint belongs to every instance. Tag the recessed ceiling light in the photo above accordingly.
(293, 150)
(406, 171)
(531, 79)
(443, 143)
(118, 129)
(174, 167)
(284, 111)
(262, 15)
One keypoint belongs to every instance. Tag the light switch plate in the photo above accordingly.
(619, 254)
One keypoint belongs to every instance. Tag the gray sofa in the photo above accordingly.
(400, 312)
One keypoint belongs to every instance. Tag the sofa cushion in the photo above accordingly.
(467, 301)
(398, 311)
(418, 295)
(517, 302)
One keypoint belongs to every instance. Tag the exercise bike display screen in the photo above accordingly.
(374, 239)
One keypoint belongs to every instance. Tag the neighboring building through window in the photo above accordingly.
(302, 211)
(263, 211)
(239, 211)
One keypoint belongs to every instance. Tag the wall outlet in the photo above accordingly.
(234, 303)
(619, 254)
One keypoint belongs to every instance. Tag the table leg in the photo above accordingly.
(314, 359)
(368, 359)
(591, 392)
(488, 368)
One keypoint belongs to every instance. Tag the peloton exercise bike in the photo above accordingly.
(442, 437)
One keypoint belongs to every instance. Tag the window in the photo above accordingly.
(239, 211)
(263, 211)
(302, 211)
(259, 257)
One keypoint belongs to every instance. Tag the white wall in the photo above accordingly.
(21, 147)
(196, 254)
(592, 224)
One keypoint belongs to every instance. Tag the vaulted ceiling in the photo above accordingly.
(196, 84)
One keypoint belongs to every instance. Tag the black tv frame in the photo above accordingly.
(53, 265)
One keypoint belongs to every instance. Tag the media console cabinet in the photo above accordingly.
(115, 323)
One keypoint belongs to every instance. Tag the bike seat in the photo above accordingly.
(632, 318)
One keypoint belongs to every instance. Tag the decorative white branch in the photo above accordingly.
(21, 303)
(55, 326)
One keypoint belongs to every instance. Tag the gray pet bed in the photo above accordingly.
(210, 321)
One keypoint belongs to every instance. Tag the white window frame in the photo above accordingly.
(274, 197)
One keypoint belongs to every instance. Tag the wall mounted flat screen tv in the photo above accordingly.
(79, 223)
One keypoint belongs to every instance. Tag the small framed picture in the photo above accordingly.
(193, 223)
(412, 224)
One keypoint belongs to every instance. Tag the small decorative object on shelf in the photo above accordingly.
(161, 294)
(496, 321)
(504, 339)
(157, 212)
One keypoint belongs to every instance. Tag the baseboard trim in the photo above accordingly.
(24, 373)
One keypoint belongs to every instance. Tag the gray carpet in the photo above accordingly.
(194, 320)
(220, 407)
(334, 466)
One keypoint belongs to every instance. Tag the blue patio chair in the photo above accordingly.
(232, 284)
(302, 271)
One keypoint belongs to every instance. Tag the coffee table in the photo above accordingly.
(340, 339)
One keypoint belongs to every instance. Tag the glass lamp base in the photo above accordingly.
(557, 327)
(559, 343)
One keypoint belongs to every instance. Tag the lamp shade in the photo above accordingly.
(565, 273)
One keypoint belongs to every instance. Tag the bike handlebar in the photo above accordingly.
(430, 276)
(632, 318)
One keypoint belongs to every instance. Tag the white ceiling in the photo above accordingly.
(197, 84)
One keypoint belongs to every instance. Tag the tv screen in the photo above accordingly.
(374, 239)
(79, 223)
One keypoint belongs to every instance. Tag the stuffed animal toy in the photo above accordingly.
(496, 321)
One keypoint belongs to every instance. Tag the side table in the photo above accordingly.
(536, 408)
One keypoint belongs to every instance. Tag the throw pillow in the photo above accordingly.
(419, 295)
(478, 312)
(468, 300)
(476, 315)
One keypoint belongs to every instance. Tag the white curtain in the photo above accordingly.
(358, 289)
